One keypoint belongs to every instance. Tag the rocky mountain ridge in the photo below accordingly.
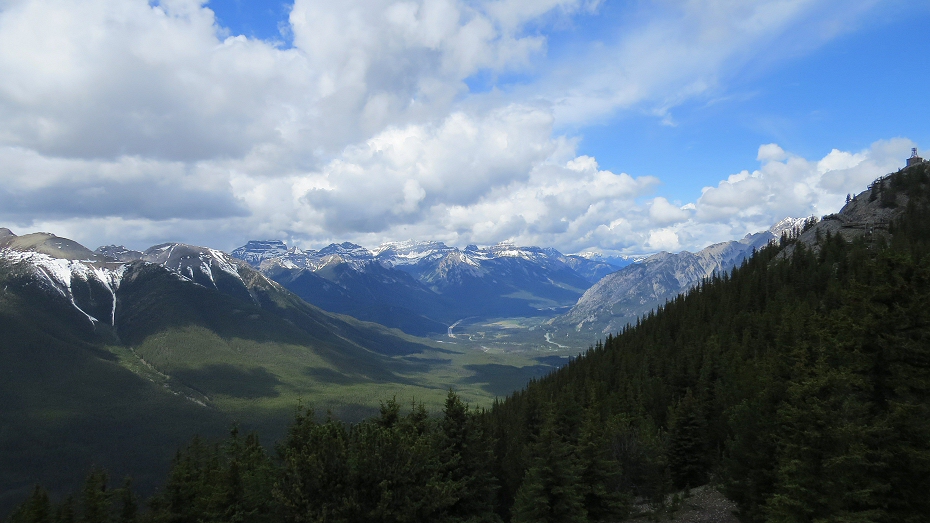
(422, 287)
(622, 296)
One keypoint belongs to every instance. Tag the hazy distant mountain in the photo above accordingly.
(422, 287)
(255, 251)
(622, 296)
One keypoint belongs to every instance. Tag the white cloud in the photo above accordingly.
(771, 152)
(122, 120)
(400, 173)
(131, 187)
(663, 212)
(789, 185)
(663, 240)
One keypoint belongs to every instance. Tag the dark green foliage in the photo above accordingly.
(466, 458)
(129, 507)
(551, 491)
(687, 443)
(314, 483)
(36, 509)
(605, 499)
(95, 500)
(65, 512)
(218, 483)
(394, 467)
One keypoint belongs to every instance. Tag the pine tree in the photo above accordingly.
(465, 462)
(687, 445)
(600, 473)
(551, 491)
(95, 500)
(315, 483)
(129, 508)
(36, 509)
(64, 513)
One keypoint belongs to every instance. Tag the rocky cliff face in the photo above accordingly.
(867, 215)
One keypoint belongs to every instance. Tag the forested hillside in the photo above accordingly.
(799, 384)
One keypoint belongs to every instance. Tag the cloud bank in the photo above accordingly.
(136, 122)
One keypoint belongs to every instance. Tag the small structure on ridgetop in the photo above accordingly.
(914, 159)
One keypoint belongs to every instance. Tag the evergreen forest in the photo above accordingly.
(798, 384)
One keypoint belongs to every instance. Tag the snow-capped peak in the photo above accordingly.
(786, 224)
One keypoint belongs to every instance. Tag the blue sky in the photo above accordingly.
(622, 127)
(868, 83)
(847, 93)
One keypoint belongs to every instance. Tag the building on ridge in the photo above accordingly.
(914, 159)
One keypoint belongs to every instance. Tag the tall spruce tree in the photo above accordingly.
(552, 490)
(36, 509)
(687, 443)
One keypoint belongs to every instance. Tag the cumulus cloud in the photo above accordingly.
(789, 185)
(137, 122)
(399, 173)
(661, 212)
(105, 78)
(131, 187)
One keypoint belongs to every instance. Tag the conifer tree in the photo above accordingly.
(551, 491)
(600, 472)
(314, 483)
(36, 509)
(687, 445)
(129, 507)
(95, 500)
(465, 460)
(65, 513)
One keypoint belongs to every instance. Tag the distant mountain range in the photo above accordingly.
(423, 287)
(623, 296)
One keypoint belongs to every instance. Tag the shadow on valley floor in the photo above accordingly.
(502, 380)
(333, 377)
(229, 380)
(555, 361)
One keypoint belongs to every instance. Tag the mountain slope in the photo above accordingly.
(69, 404)
(370, 292)
(623, 296)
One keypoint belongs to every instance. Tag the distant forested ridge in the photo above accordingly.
(799, 383)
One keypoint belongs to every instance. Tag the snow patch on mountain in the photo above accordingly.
(189, 261)
(59, 275)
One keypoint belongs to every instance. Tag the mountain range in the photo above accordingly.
(423, 287)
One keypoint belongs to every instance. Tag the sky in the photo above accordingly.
(624, 127)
